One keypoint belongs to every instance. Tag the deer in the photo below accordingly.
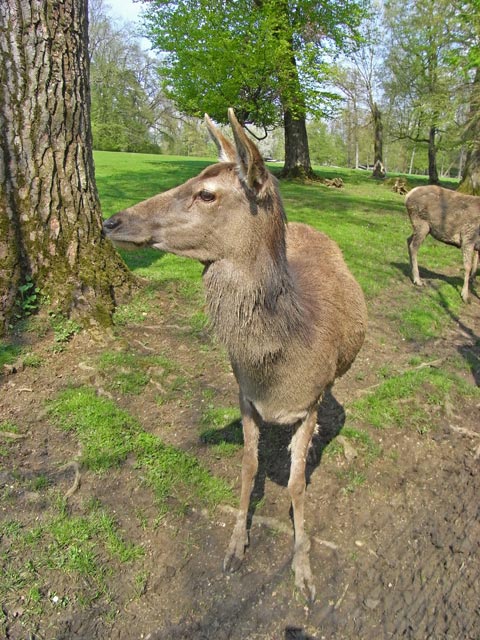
(450, 217)
(280, 298)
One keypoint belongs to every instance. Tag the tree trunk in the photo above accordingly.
(297, 154)
(378, 166)
(471, 174)
(50, 220)
(412, 158)
(432, 157)
(461, 160)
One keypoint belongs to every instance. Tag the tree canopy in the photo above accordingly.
(240, 53)
(268, 59)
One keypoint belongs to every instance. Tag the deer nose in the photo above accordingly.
(111, 224)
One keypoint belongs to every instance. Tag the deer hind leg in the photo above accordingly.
(296, 486)
(239, 540)
(473, 272)
(421, 230)
(468, 265)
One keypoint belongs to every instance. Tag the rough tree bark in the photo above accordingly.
(297, 153)
(50, 220)
(432, 156)
(471, 174)
(378, 166)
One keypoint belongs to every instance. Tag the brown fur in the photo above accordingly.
(280, 298)
(449, 216)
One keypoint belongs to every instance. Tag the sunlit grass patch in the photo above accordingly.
(105, 432)
(109, 434)
(172, 473)
(407, 400)
(137, 309)
(222, 429)
(366, 447)
(126, 372)
(424, 311)
(60, 543)
(129, 373)
(6, 443)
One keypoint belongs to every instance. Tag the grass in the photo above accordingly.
(221, 429)
(61, 543)
(366, 218)
(409, 400)
(361, 440)
(109, 434)
(9, 353)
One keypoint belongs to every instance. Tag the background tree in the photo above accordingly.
(467, 56)
(50, 222)
(471, 175)
(127, 105)
(359, 80)
(266, 58)
(421, 85)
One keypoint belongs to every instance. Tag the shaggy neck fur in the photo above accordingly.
(254, 311)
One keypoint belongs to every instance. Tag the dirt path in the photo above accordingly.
(395, 557)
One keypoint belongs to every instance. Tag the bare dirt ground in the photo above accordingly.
(397, 557)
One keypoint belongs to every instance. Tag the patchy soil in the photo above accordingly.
(395, 556)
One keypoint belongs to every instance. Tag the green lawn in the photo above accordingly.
(366, 218)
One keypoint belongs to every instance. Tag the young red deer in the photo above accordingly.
(451, 217)
(280, 297)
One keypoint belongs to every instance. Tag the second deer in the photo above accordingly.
(449, 216)
(280, 297)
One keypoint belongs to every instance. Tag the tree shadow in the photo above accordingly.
(469, 350)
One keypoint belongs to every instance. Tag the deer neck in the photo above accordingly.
(253, 306)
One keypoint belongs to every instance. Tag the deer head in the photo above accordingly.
(228, 211)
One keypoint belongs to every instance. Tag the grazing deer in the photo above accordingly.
(280, 298)
(449, 216)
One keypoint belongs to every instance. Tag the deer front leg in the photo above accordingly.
(239, 539)
(296, 486)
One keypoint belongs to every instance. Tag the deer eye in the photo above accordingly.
(206, 196)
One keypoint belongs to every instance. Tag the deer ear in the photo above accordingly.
(226, 150)
(249, 159)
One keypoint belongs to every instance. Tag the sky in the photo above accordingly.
(126, 10)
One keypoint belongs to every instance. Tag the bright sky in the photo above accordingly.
(126, 10)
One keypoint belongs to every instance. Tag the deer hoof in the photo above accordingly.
(303, 576)
(232, 563)
(235, 554)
